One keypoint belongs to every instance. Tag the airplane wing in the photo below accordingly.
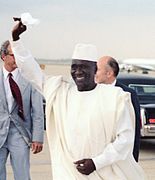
(144, 67)
(141, 63)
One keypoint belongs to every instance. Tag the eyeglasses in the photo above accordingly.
(12, 55)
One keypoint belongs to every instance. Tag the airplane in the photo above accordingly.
(133, 64)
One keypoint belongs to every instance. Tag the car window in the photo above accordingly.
(143, 89)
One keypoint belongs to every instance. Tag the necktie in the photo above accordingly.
(17, 95)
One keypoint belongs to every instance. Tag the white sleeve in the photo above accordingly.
(26, 63)
(123, 143)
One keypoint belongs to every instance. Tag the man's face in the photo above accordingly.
(102, 72)
(9, 60)
(83, 73)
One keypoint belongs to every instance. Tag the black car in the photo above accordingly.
(144, 86)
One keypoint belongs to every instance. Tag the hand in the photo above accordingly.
(18, 29)
(85, 166)
(36, 147)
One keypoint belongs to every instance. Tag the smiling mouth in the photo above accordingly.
(79, 78)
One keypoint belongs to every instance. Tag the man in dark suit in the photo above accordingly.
(107, 72)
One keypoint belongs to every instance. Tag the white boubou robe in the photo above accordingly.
(97, 124)
(82, 124)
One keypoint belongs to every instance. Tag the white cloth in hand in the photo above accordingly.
(28, 20)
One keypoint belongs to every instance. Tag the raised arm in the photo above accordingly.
(29, 68)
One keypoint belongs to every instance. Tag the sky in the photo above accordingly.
(119, 28)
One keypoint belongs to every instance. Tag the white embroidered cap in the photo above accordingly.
(85, 52)
(27, 19)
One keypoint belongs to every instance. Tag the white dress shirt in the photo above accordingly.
(113, 83)
(9, 96)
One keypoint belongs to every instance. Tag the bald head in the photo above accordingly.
(107, 70)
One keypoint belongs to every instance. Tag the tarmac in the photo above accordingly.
(41, 165)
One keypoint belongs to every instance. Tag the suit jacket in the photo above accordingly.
(32, 127)
(136, 107)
